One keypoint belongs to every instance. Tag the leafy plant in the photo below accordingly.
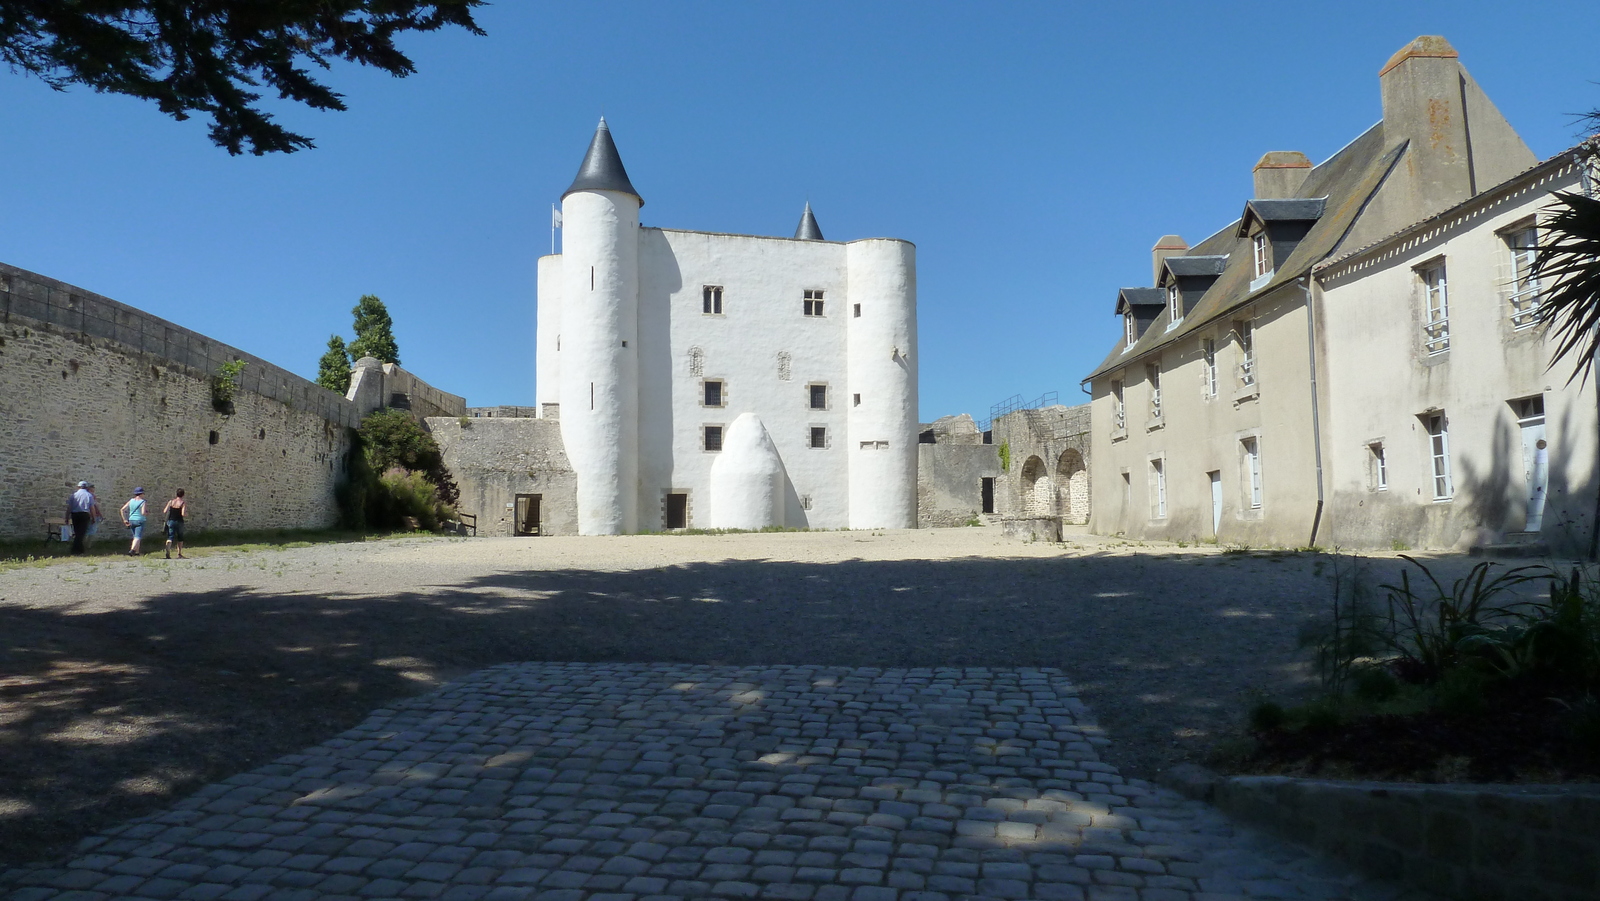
(1432, 634)
(225, 385)
(1005, 456)
(333, 369)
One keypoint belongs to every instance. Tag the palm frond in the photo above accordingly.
(1568, 259)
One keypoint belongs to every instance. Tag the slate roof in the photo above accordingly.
(1287, 209)
(602, 167)
(1140, 297)
(808, 229)
(1196, 264)
(1342, 185)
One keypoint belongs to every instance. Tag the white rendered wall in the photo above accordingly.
(747, 480)
(547, 333)
(763, 282)
(882, 368)
(599, 363)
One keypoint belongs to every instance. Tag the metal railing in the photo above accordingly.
(1014, 403)
(1524, 304)
(1436, 336)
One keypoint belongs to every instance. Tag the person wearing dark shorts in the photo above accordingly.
(175, 512)
(80, 512)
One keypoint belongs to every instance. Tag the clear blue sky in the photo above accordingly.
(1033, 152)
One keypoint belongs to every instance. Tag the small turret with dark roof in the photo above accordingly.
(808, 230)
(602, 167)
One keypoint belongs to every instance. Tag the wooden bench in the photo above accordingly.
(53, 527)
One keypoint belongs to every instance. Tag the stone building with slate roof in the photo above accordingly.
(1231, 407)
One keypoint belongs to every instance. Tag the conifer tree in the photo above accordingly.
(333, 370)
(374, 331)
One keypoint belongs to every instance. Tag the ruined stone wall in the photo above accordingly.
(952, 462)
(1047, 455)
(494, 459)
(93, 389)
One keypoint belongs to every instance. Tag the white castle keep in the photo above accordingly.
(726, 381)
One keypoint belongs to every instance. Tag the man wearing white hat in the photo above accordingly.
(80, 509)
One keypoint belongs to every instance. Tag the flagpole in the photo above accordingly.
(552, 229)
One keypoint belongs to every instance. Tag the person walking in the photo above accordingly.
(133, 517)
(80, 510)
(175, 512)
(95, 518)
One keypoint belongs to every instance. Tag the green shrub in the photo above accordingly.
(1374, 683)
(1268, 715)
(1005, 456)
(1460, 692)
(411, 494)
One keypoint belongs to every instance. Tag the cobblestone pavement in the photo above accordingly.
(627, 782)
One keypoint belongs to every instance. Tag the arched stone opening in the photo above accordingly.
(1038, 493)
(1072, 484)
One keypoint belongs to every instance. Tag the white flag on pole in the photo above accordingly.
(555, 217)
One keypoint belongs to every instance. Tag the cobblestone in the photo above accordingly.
(627, 781)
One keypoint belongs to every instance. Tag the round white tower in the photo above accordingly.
(599, 379)
(747, 483)
(881, 370)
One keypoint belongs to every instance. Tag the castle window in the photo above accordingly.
(1174, 305)
(856, 400)
(858, 311)
(1439, 451)
(711, 437)
(813, 302)
(711, 300)
(1208, 385)
(714, 393)
(819, 397)
(1436, 309)
(1262, 254)
(1379, 466)
(1523, 292)
(819, 436)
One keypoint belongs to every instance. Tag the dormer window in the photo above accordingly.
(1263, 254)
(1130, 330)
(1174, 304)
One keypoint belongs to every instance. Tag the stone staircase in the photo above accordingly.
(1514, 544)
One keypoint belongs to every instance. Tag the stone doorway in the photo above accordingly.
(527, 514)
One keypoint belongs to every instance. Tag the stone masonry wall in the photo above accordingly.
(494, 459)
(1483, 842)
(77, 406)
(950, 473)
(1056, 485)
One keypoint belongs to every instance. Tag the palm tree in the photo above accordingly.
(1568, 259)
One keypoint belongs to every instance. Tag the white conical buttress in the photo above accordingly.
(747, 481)
(599, 381)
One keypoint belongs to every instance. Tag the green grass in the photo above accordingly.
(112, 542)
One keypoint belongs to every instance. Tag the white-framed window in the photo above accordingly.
(1261, 254)
(1523, 286)
(1152, 372)
(1435, 309)
(1119, 408)
(817, 396)
(1379, 464)
(1251, 448)
(1130, 330)
(1247, 351)
(1439, 450)
(1174, 305)
(819, 436)
(1208, 375)
(713, 393)
(1158, 488)
(813, 302)
(711, 300)
(711, 437)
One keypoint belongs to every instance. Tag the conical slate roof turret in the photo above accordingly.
(808, 230)
(602, 167)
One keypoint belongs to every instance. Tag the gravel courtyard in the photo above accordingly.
(126, 685)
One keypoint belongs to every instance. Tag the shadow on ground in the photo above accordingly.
(109, 715)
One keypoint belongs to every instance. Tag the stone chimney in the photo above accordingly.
(1424, 92)
(1280, 173)
(1168, 246)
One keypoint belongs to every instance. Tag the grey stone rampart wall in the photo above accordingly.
(950, 483)
(425, 400)
(75, 404)
(504, 412)
(494, 459)
(1049, 434)
(29, 298)
(1487, 843)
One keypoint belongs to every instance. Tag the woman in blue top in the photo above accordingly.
(133, 517)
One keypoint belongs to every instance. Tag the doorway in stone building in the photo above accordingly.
(1072, 484)
(527, 514)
